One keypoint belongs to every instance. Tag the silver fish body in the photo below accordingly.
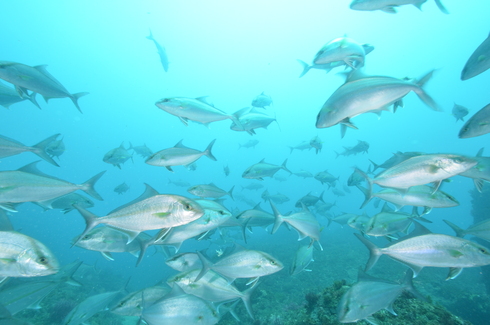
(478, 62)
(390, 5)
(478, 124)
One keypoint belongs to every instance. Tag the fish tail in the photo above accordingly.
(375, 165)
(459, 232)
(150, 37)
(278, 218)
(90, 222)
(144, 244)
(441, 7)
(291, 150)
(320, 198)
(374, 252)
(246, 294)
(206, 266)
(32, 99)
(408, 285)
(306, 67)
(368, 192)
(283, 166)
(429, 101)
(208, 153)
(230, 192)
(40, 149)
(74, 98)
(88, 186)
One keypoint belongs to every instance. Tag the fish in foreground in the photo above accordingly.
(155, 212)
(480, 229)
(397, 158)
(162, 53)
(369, 295)
(480, 172)
(459, 112)
(389, 6)
(420, 170)
(28, 184)
(36, 79)
(304, 222)
(24, 256)
(478, 124)
(194, 109)
(343, 49)
(210, 191)
(121, 188)
(434, 250)
(246, 263)
(303, 258)
(362, 94)
(478, 62)
(179, 155)
(263, 169)
(117, 156)
(10, 147)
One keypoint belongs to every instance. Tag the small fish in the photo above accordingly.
(121, 188)
(209, 191)
(387, 222)
(342, 49)
(10, 147)
(179, 155)
(56, 148)
(478, 62)
(277, 198)
(117, 156)
(251, 119)
(262, 101)
(389, 6)
(36, 79)
(143, 150)
(316, 143)
(162, 53)
(459, 112)
(301, 146)
(326, 177)
(342, 219)
(226, 170)
(180, 183)
(478, 124)
(303, 258)
(24, 256)
(66, 202)
(256, 217)
(304, 174)
(249, 144)
(184, 262)
(263, 169)
(309, 200)
(9, 96)
(360, 147)
(253, 186)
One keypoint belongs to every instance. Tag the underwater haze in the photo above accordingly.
(228, 54)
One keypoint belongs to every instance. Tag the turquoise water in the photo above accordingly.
(232, 51)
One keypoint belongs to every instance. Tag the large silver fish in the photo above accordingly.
(369, 94)
(36, 79)
(478, 62)
(28, 184)
(478, 124)
(10, 147)
(390, 5)
(24, 256)
(263, 169)
(162, 53)
(179, 155)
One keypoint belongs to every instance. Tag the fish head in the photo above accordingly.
(457, 163)
(327, 117)
(251, 172)
(38, 261)
(363, 5)
(269, 264)
(477, 254)
(186, 210)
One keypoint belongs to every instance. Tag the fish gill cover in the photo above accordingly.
(276, 95)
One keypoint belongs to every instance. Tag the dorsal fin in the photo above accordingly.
(149, 192)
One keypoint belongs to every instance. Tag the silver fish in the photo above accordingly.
(459, 112)
(24, 256)
(360, 147)
(10, 147)
(303, 258)
(277, 198)
(253, 186)
(316, 143)
(326, 177)
(121, 188)
(343, 49)
(249, 144)
(9, 96)
(179, 155)
(256, 217)
(56, 148)
(387, 223)
(36, 79)
(66, 202)
(143, 150)
(184, 262)
(263, 169)
(480, 229)
(478, 124)
(209, 191)
(480, 172)
(303, 173)
(397, 158)
(309, 200)
(262, 101)
(251, 120)
(478, 62)
(162, 53)
(301, 146)
(390, 5)
(117, 156)
(132, 304)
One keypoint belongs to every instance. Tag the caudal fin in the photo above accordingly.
(368, 193)
(208, 152)
(74, 98)
(88, 186)
(459, 232)
(283, 166)
(374, 252)
(423, 95)
(279, 219)
(306, 67)
(40, 149)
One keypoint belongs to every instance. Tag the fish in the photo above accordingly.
(359, 222)
(397, 158)
(65, 203)
(162, 53)
(10, 147)
(194, 109)
(389, 6)
(480, 229)
(262, 101)
(387, 223)
(478, 62)
(355, 178)
(226, 170)
(304, 222)
(179, 155)
(326, 177)
(480, 172)
(360, 147)
(210, 191)
(132, 304)
(251, 119)
(478, 124)
(301, 146)
(180, 183)
(249, 144)
(7, 319)
(341, 49)
(420, 170)
(143, 150)
(337, 192)
(309, 200)
(117, 156)
(28, 184)
(256, 217)
(5, 224)
(178, 307)
(277, 198)
(303, 173)
(369, 295)
(151, 213)
(459, 112)
(24, 256)
(331, 65)
(121, 188)
(342, 219)
(252, 186)
(36, 79)
(419, 196)
(302, 258)
(431, 250)
(56, 148)
(316, 143)
(184, 262)
(9, 96)
(369, 94)
(244, 263)
(263, 169)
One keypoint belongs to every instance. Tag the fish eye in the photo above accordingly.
(187, 207)
(483, 251)
(42, 260)
(221, 212)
